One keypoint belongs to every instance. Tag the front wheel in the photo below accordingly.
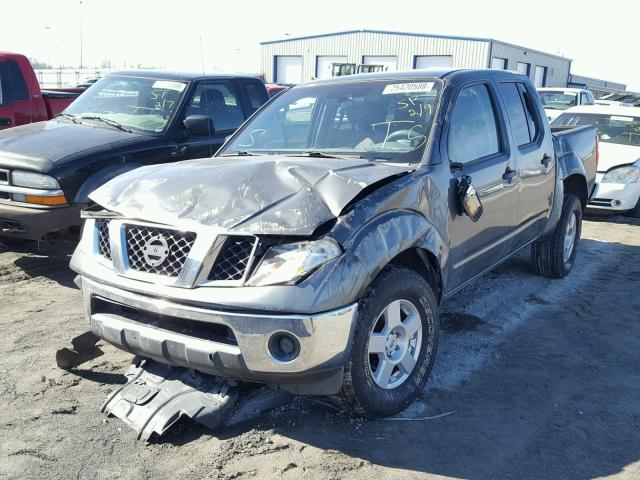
(394, 346)
(554, 254)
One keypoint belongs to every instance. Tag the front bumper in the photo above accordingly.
(34, 223)
(194, 337)
(617, 197)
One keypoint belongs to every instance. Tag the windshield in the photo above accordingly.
(139, 103)
(381, 120)
(559, 100)
(621, 129)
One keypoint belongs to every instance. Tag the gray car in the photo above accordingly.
(313, 251)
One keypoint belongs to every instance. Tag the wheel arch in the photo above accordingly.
(576, 184)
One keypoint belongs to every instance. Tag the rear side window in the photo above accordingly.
(219, 102)
(257, 96)
(473, 130)
(516, 112)
(533, 120)
(12, 85)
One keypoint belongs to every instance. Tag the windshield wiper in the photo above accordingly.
(241, 153)
(69, 116)
(109, 122)
(319, 154)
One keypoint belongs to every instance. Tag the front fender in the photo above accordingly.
(370, 249)
(101, 177)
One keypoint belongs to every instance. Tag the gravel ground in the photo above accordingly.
(542, 377)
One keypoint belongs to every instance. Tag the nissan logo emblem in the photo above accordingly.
(155, 251)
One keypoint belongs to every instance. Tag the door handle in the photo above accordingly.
(5, 122)
(545, 160)
(508, 174)
(179, 151)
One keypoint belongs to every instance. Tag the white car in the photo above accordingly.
(618, 177)
(556, 100)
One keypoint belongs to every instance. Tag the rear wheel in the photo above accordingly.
(394, 346)
(554, 254)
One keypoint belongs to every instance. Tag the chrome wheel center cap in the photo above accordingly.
(391, 343)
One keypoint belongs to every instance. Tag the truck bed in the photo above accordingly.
(574, 144)
(57, 100)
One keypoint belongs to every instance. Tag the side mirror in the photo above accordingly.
(199, 125)
(468, 199)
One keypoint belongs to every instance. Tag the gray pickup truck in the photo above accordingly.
(313, 251)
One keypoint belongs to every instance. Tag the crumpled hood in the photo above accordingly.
(613, 154)
(42, 146)
(259, 195)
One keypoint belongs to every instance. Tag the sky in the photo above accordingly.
(225, 35)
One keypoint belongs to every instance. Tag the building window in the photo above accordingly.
(540, 77)
(428, 61)
(523, 68)
(498, 63)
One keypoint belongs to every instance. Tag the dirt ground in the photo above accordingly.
(542, 377)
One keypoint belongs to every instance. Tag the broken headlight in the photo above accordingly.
(286, 264)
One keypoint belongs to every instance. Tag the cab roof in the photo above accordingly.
(426, 73)
(175, 75)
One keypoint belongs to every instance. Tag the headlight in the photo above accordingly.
(33, 180)
(627, 174)
(285, 264)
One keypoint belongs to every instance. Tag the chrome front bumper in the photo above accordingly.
(129, 321)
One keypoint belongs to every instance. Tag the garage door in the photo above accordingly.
(288, 69)
(323, 64)
(428, 61)
(389, 61)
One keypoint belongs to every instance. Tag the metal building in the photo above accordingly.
(597, 86)
(295, 60)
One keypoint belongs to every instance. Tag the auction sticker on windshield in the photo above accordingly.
(408, 88)
(169, 85)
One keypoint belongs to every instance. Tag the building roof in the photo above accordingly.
(411, 34)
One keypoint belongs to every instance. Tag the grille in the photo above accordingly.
(104, 246)
(178, 247)
(233, 259)
(4, 176)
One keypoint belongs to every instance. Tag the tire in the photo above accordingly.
(361, 391)
(13, 241)
(548, 253)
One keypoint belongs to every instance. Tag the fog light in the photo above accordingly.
(284, 347)
(617, 203)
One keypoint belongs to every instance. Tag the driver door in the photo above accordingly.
(477, 146)
(217, 100)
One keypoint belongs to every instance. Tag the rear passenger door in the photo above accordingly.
(477, 145)
(221, 102)
(533, 149)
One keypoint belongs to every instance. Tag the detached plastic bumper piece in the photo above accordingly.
(157, 395)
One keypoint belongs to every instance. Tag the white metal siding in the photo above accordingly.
(355, 46)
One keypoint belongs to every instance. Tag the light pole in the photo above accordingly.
(80, 34)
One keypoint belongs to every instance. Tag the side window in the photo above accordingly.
(256, 95)
(2, 81)
(584, 100)
(473, 129)
(15, 87)
(218, 101)
(533, 120)
(516, 112)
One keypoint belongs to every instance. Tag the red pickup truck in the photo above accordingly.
(21, 100)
